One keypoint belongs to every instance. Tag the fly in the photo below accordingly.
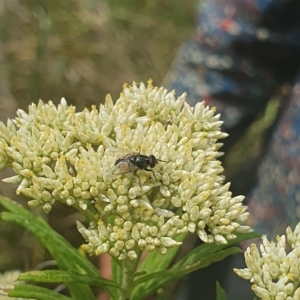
(127, 162)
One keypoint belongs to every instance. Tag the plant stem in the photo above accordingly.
(88, 213)
(128, 270)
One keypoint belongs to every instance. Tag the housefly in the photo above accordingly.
(127, 162)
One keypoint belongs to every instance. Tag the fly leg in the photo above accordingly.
(135, 173)
(150, 170)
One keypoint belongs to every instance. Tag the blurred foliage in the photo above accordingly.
(84, 49)
(80, 50)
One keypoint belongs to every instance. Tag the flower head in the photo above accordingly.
(273, 271)
(61, 155)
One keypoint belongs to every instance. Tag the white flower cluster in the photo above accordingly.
(275, 274)
(61, 155)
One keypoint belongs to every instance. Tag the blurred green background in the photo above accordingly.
(84, 49)
(80, 50)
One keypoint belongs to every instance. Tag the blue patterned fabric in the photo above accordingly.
(242, 51)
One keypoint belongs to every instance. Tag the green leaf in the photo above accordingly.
(64, 276)
(221, 295)
(67, 257)
(34, 292)
(205, 250)
(148, 284)
(199, 257)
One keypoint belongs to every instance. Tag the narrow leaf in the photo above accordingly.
(63, 276)
(221, 295)
(148, 284)
(204, 250)
(199, 257)
(34, 292)
(66, 256)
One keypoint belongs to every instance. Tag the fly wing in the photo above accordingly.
(123, 166)
(121, 153)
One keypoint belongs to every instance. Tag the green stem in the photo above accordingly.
(128, 271)
(88, 213)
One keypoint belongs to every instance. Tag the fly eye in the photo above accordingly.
(152, 161)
